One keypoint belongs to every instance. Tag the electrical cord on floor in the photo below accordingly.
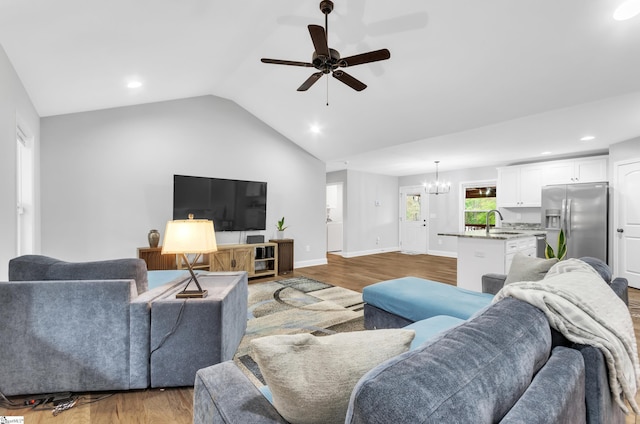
(8, 404)
(57, 402)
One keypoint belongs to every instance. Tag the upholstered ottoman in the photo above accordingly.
(400, 302)
(189, 334)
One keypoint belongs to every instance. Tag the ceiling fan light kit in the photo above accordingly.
(327, 60)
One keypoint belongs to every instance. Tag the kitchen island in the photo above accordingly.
(480, 253)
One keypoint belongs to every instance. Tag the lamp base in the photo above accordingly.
(191, 293)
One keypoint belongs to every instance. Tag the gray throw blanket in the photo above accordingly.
(579, 304)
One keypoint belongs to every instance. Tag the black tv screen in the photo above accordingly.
(232, 205)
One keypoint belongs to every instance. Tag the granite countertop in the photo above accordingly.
(496, 234)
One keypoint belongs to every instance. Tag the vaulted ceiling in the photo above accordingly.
(470, 83)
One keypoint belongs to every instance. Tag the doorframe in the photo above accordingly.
(613, 243)
(423, 208)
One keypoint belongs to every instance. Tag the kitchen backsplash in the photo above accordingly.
(522, 225)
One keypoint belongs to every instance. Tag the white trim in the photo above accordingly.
(314, 262)
(369, 252)
(444, 253)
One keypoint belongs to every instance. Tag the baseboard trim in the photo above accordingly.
(369, 252)
(445, 253)
(314, 262)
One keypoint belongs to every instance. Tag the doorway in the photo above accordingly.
(25, 209)
(627, 221)
(413, 220)
(335, 217)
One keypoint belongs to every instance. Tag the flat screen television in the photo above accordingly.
(232, 205)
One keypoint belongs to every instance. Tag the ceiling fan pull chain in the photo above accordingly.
(327, 91)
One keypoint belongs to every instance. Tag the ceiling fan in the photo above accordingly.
(327, 60)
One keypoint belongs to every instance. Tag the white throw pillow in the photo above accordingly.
(311, 378)
(528, 268)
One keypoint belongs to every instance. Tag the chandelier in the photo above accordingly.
(438, 187)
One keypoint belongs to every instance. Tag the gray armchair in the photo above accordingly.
(73, 327)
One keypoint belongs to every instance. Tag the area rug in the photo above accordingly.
(293, 306)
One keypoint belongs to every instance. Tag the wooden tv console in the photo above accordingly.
(258, 259)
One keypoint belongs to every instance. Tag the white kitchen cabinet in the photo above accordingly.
(479, 255)
(525, 246)
(584, 170)
(519, 186)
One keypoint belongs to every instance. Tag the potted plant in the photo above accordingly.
(281, 227)
(561, 250)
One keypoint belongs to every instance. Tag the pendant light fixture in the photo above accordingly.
(438, 187)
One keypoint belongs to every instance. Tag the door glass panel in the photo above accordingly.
(412, 207)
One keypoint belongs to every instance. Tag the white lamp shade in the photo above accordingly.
(189, 236)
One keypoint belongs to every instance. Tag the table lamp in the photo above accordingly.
(184, 236)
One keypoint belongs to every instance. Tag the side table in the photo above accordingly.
(285, 255)
(189, 334)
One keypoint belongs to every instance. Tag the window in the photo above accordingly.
(477, 202)
(413, 207)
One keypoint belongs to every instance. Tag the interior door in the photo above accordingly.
(627, 235)
(413, 219)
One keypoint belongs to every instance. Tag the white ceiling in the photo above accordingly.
(470, 83)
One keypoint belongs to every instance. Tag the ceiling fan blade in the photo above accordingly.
(310, 81)
(368, 57)
(286, 62)
(319, 38)
(349, 80)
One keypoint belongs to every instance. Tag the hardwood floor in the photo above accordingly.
(174, 405)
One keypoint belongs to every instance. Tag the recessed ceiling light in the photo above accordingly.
(134, 84)
(545, 153)
(627, 10)
(587, 138)
(315, 129)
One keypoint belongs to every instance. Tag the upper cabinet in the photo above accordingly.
(585, 170)
(520, 186)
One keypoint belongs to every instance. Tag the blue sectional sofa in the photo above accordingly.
(501, 363)
(478, 372)
(82, 327)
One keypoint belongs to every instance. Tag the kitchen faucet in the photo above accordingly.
(489, 215)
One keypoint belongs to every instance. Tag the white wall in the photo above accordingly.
(107, 176)
(370, 212)
(14, 105)
(624, 150)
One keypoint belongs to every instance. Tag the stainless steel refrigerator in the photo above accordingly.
(582, 211)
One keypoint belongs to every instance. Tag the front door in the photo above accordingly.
(627, 231)
(413, 219)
